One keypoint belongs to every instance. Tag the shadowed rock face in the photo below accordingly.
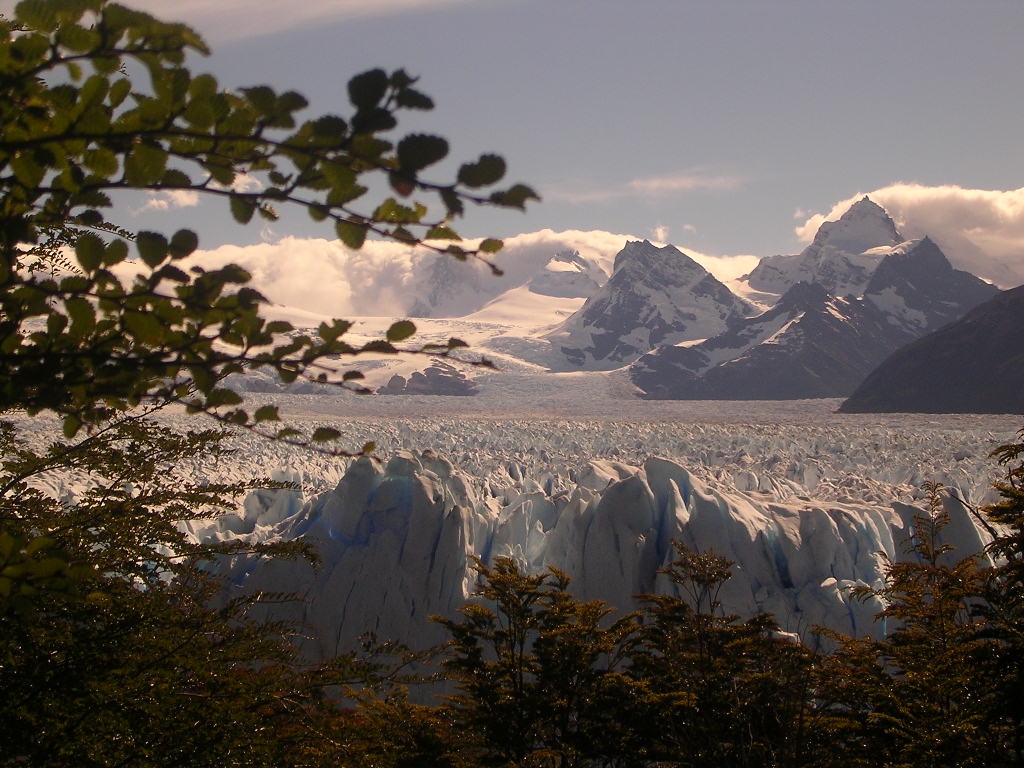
(974, 365)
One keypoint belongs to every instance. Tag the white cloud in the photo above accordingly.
(979, 230)
(683, 182)
(170, 199)
(694, 180)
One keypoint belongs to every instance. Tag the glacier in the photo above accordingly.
(801, 499)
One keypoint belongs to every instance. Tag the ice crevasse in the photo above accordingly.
(397, 541)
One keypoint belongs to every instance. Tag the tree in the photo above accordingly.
(78, 120)
(1003, 609)
(924, 694)
(540, 674)
(721, 691)
(132, 637)
(115, 638)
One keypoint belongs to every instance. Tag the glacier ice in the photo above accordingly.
(803, 509)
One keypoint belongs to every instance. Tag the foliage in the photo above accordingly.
(118, 645)
(923, 694)
(539, 673)
(130, 636)
(96, 98)
(722, 691)
(1003, 610)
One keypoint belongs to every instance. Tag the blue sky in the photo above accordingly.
(723, 126)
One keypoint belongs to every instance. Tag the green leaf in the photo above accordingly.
(116, 252)
(489, 169)
(419, 150)
(324, 435)
(266, 413)
(443, 232)
(145, 165)
(152, 247)
(90, 250)
(490, 245)
(400, 331)
(368, 89)
(514, 197)
(144, 326)
(353, 235)
(82, 314)
(183, 243)
(242, 208)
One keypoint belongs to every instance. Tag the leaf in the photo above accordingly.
(183, 243)
(242, 208)
(266, 413)
(116, 252)
(89, 249)
(353, 235)
(367, 90)
(489, 169)
(324, 435)
(400, 331)
(419, 150)
(410, 98)
(144, 326)
(152, 247)
(490, 245)
(443, 232)
(514, 197)
(82, 314)
(221, 397)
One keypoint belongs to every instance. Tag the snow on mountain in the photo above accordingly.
(817, 342)
(810, 344)
(841, 258)
(654, 296)
(917, 287)
(801, 499)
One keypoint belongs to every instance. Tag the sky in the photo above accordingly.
(727, 127)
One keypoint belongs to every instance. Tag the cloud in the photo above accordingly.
(241, 19)
(979, 230)
(682, 182)
(170, 199)
(693, 180)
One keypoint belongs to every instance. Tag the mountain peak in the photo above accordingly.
(865, 225)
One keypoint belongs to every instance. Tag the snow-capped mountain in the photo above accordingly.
(810, 344)
(815, 342)
(918, 288)
(654, 296)
(841, 259)
(974, 365)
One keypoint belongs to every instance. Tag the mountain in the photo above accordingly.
(974, 365)
(841, 259)
(918, 287)
(816, 342)
(810, 344)
(654, 296)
